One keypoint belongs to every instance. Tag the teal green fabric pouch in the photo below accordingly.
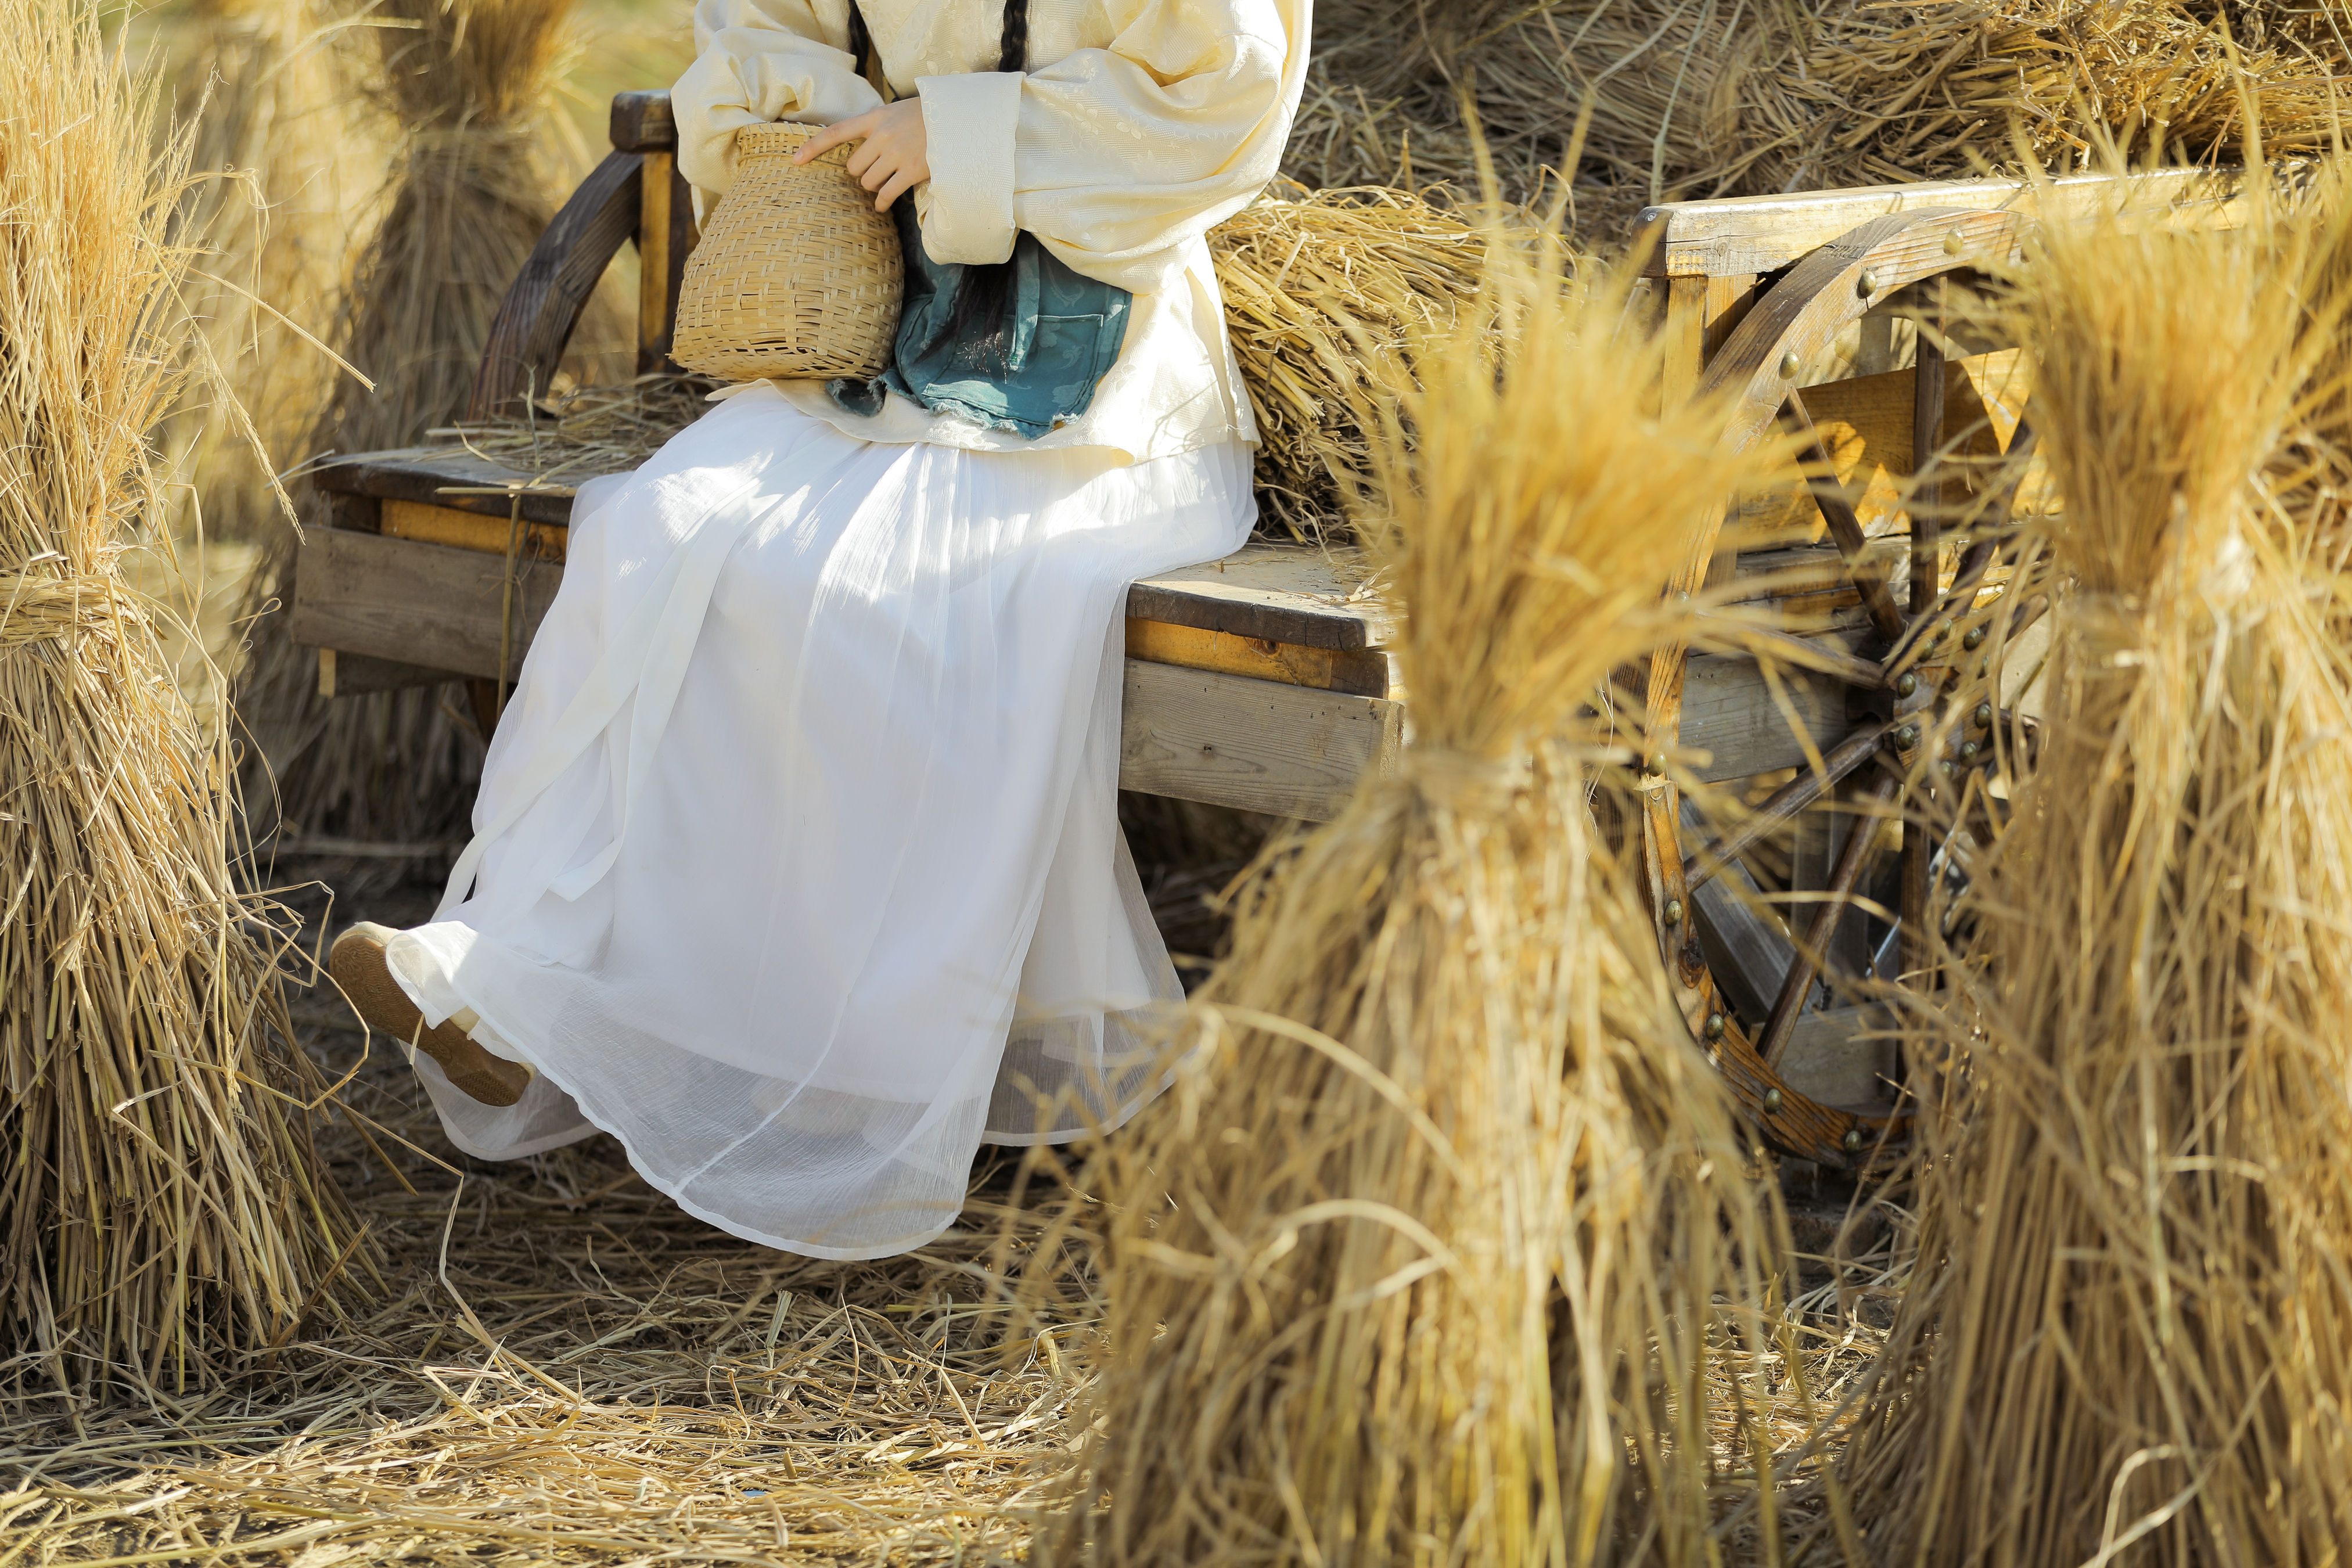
(1065, 336)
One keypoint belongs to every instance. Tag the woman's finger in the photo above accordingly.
(853, 128)
(863, 158)
(899, 186)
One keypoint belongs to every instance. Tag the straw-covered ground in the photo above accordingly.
(546, 1362)
(560, 1366)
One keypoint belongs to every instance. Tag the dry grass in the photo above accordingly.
(1323, 293)
(167, 1220)
(465, 86)
(285, 165)
(564, 1368)
(2130, 1336)
(1706, 98)
(1423, 1258)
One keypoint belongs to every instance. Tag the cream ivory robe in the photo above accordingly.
(797, 865)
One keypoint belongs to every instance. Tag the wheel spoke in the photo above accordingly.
(1926, 482)
(1775, 810)
(1835, 898)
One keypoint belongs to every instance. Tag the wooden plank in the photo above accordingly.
(345, 674)
(400, 600)
(435, 524)
(427, 475)
(642, 122)
(1685, 346)
(1729, 714)
(1763, 234)
(666, 236)
(1275, 593)
(1747, 946)
(1255, 744)
(1865, 424)
(1359, 672)
(1280, 593)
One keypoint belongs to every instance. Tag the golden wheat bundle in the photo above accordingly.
(1419, 1259)
(283, 161)
(1323, 291)
(465, 85)
(166, 1212)
(2129, 1335)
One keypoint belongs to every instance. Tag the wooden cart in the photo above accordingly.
(1262, 680)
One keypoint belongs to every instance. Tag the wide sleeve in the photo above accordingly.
(757, 61)
(1116, 157)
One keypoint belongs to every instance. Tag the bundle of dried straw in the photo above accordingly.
(2129, 1335)
(1419, 1258)
(166, 1212)
(286, 163)
(464, 83)
(1323, 292)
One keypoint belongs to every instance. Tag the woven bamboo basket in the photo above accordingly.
(796, 276)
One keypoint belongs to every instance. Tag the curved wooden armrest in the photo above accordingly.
(536, 320)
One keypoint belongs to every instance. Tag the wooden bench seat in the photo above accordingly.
(1263, 681)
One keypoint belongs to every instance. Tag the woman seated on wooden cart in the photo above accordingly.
(797, 866)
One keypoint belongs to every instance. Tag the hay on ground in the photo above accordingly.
(1696, 99)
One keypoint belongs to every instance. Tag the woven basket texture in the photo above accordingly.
(796, 276)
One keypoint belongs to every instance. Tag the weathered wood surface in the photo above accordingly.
(1763, 234)
(436, 524)
(1844, 1056)
(1281, 593)
(441, 476)
(1729, 714)
(407, 602)
(642, 122)
(1361, 672)
(535, 320)
(666, 236)
(1254, 744)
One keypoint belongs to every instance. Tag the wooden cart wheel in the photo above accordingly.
(1912, 756)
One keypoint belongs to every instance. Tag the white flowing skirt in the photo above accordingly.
(797, 864)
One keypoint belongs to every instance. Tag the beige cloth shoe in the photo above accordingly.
(358, 965)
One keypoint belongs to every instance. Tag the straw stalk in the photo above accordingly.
(2128, 1337)
(1421, 1256)
(464, 85)
(166, 1213)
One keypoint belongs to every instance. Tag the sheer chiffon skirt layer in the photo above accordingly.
(797, 864)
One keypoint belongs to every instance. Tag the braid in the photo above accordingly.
(985, 303)
(861, 39)
(1014, 53)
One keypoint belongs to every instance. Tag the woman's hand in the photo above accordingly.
(893, 153)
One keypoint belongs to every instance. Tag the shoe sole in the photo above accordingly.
(358, 963)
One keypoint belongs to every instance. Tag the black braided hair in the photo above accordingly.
(861, 39)
(1012, 53)
(981, 323)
